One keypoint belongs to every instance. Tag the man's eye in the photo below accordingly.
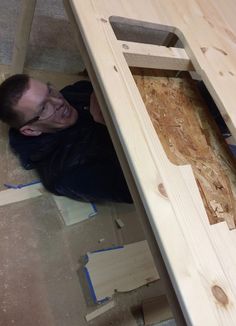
(42, 110)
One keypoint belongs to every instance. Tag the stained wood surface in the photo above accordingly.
(194, 251)
(189, 136)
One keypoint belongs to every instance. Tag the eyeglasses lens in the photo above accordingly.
(49, 106)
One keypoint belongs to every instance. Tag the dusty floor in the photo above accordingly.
(41, 261)
(41, 278)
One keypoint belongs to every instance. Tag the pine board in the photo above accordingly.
(199, 256)
(120, 269)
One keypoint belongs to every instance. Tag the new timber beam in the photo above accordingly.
(155, 56)
(22, 35)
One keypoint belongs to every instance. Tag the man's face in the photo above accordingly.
(54, 112)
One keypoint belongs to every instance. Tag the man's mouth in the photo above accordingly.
(66, 111)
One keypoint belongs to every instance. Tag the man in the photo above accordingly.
(63, 136)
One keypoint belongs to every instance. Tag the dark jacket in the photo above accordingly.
(78, 162)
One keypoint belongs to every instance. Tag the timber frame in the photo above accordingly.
(197, 259)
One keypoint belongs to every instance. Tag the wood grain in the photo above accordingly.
(199, 257)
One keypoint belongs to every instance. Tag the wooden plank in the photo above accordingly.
(22, 35)
(15, 195)
(188, 239)
(165, 279)
(120, 269)
(155, 56)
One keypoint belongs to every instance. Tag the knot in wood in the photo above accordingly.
(125, 46)
(220, 295)
(162, 190)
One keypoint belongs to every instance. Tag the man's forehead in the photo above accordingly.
(37, 84)
(34, 95)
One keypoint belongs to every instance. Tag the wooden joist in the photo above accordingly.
(26, 16)
(155, 56)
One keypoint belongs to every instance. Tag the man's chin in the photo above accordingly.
(66, 123)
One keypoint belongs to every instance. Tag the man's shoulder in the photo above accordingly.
(79, 86)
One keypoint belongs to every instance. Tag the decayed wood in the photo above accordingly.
(155, 56)
(22, 35)
(181, 121)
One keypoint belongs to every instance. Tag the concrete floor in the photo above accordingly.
(41, 260)
(41, 283)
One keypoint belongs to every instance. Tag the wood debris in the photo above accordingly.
(119, 223)
(120, 269)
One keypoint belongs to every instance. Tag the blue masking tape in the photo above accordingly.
(107, 249)
(94, 207)
(21, 185)
(91, 289)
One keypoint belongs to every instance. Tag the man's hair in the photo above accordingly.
(11, 91)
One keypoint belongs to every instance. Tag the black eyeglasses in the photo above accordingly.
(49, 109)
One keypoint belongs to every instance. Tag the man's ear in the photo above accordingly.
(29, 131)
